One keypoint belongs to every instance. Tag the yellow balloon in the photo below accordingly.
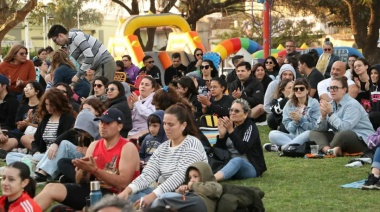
(221, 50)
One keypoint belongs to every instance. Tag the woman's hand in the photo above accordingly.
(52, 152)
(82, 150)
(19, 82)
(228, 124)
(3, 138)
(132, 99)
(204, 100)
(21, 125)
(222, 130)
(82, 99)
(295, 116)
(199, 63)
(357, 82)
(147, 200)
(125, 193)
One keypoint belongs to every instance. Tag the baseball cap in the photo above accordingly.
(4, 80)
(110, 115)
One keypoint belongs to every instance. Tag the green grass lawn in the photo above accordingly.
(296, 184)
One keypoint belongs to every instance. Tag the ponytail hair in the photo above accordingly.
(182, 112)
(25, 174)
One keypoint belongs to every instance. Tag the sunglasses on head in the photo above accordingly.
(232, 110)
(110, 89)
(199, 54)
(206, 67)
(98, 85)
(327, 50)
(268, 62)
(299, 89)
(333, 88)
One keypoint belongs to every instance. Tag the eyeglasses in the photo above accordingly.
(110, 89)
(98, 85)
(268, 62)
(204, 67)
(152, 61)
(333, 88)
(302, 88)
(232, 110)
(23, 53)
(327, 50)
(199, 54)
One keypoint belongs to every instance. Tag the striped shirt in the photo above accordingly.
(171, 164)
(87, 50)
(50, 133)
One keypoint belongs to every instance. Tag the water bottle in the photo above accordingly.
(95, 194)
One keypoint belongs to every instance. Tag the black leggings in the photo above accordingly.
(66, 167)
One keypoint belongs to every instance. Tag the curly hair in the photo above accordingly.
(96, 104)
(164, 99)
(57, 100)
(59, 58)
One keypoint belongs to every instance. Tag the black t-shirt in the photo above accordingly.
(170, 72)
(314, 78)
(22, 112)
(364, 96)
(8, 110)
(154, 72)
(220, 107)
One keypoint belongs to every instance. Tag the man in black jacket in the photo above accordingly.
(231, 77)
(246, 86)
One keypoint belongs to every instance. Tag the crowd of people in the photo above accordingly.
(66, 118)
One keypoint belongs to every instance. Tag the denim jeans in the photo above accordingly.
(134, 197)
(238, 168)
(16, 156)
(376, 159)
(65, 150)
(283, 139)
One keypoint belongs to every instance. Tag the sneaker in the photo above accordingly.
(270, 147)
(370, 182)
(377, 185)
(3, 154)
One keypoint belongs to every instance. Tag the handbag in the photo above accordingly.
(208, 122)
(296, 150)
(217, 158)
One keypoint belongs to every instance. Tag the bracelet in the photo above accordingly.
(96, 170)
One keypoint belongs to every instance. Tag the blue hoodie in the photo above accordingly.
(150, 142)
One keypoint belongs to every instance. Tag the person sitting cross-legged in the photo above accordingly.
(112, 159)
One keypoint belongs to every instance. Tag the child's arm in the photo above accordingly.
(182, 189)
(210, 189)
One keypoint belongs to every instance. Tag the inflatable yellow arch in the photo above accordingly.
(181, 39)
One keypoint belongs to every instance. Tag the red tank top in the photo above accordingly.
(108, 160)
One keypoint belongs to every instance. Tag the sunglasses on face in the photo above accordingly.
(333, 88)
(98, 85)
(327, 50)
(232, 110)
(295, 89)
(205, 67)
(110, 89)
(199, 54)
(23, 53)
(268, 62)
(152, 61)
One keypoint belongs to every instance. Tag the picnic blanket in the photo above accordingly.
(357, 184)
(211, 135)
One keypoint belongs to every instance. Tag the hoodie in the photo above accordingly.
(150, 142)
(85, 122)
(208, 189)
(375, 91)
(273, 85)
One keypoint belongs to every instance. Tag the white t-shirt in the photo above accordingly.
(324, 84)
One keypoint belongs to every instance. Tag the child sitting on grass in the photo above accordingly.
(200, 191)
(155, 137)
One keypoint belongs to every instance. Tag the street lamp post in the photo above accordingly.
(78, 19)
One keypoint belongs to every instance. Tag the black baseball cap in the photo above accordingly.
(110, 115)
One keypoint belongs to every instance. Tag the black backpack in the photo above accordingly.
(296, 150)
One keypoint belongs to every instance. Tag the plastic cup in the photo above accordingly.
(314, 149)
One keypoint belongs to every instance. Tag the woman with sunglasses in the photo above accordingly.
(194, 65)
(299, 117)
(344, 125)
(258, 70)
(239, 135)
(99, 89)
(362, 79)
(116, 99)
(327, 58)
(208, 71)
(18, 69)
(271, 67)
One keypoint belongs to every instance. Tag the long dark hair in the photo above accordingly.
(37, 87)
(304, 82)
(182, 113)
(100, 78)
(187, 82)
(214, 71)
(276, 66)
(25, 174)
(280, 87)
(120, 87)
